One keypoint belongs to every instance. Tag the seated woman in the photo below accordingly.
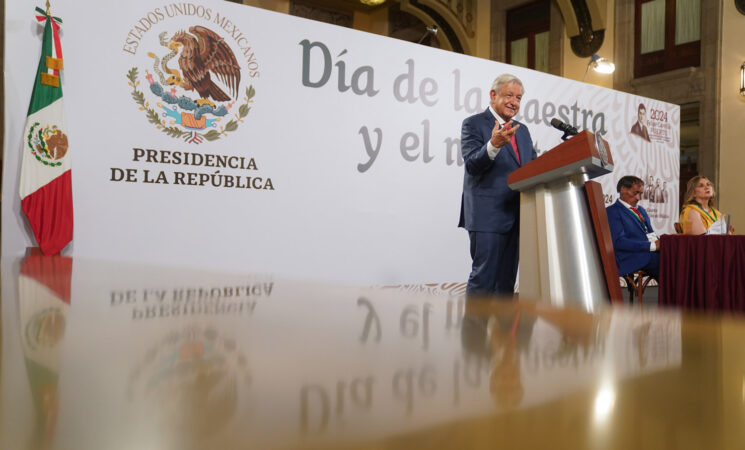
(699, 211)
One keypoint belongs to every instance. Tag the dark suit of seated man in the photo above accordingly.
(635, 243)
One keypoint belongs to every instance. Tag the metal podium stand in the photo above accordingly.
(566, 252)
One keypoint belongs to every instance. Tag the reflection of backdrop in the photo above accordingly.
(501, 337)
(44, 302)
(190, 382)
(640, 341)
(510, 336)
(502, 333)
(505, 334)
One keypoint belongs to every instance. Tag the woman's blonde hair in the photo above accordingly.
(691, 187)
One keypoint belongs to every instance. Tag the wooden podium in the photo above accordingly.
(566, 251)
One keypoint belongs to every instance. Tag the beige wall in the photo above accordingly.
(375, 21)
(372, 22)
(282, 6)
(732, 114)
(575, 67)
(481, 42)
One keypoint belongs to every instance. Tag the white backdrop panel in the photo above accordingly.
(365, 180)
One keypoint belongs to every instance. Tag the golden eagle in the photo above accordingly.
(207, 53)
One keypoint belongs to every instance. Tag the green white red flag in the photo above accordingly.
(45, 182)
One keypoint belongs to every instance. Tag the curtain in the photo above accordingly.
(519, 52)
(687, 21)
(653, 26)
(541, 51)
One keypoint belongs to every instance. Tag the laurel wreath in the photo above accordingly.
(176, 132)
(42, 145)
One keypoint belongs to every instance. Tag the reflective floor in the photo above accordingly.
(100, 355)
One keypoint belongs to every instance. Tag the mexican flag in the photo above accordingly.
(45, 186)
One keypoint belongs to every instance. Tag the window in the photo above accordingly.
(527, 35)
(667, 35)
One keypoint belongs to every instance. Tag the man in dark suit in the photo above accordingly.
(639, 128)
(635, 243)
(493, 145)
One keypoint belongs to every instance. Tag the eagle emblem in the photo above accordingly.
(195, 97)
(203, 54)
(47, 143)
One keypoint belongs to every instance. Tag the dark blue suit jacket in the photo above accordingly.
(487, 203)
(629, 237)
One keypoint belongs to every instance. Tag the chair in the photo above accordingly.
(678, 228)
(636, 283)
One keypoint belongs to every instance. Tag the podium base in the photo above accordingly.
(559, 259)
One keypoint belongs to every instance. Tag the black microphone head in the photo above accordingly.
(565, 127)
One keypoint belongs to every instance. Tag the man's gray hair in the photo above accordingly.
(506, 78)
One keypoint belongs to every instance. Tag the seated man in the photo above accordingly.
(634, 241)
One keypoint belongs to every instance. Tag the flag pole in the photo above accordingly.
(48, 14)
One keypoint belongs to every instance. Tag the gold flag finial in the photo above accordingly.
(48, 8)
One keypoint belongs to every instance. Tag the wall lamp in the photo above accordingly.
(742, 79)
(600, 65)
(430, 30)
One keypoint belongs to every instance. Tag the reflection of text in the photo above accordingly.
(409, 389)
(194, 308)
(237, 300)
(414, 321)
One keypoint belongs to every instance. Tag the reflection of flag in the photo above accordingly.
(44, 301)
(45, 185)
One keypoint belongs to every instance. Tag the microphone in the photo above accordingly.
(565, 127)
